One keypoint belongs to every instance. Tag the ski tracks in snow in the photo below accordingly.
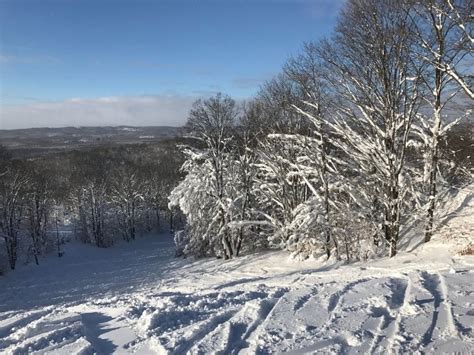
(240, 332)
(407, 313)
(43, 331)
(87, 328)
(427, 322)
(416, 312)
(398, 314)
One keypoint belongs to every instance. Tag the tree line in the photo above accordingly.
(101, 195)
(345, 148)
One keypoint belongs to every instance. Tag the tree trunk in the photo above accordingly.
(11, 251)
(171, 222)
(227, 247)
(434, 157)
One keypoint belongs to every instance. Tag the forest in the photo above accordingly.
(354, 142)
(346, 148)
(100, 196)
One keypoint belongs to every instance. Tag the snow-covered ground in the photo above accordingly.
(138, 298)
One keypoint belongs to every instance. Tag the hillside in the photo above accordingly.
(41, 141)
(144, 300)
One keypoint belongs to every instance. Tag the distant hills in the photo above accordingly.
(40, 141)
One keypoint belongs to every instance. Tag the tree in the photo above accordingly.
(371, 69)
(13, 185)
(211, 122)
(126, 194)
(90, 195)
(277, 186)
(305, 71)
(440, 35)
(39, 203)
(452, 16)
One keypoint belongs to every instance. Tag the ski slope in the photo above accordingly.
(137, 298)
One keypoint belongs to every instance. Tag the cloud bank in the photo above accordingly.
(157, 110)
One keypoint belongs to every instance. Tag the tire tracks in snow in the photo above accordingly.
(451, 321)
(431, 283)
(388, 310)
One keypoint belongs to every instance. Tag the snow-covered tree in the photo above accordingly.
(278, 186)
(90, 197)
(39, 203)
(13, 184)
(278, 189)
(453, 24)
(207, 190)
(316, 164)
(193, 196)
(440, 33)
(372, 72)
(126, 194)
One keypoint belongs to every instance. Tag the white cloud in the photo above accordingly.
(127, 110)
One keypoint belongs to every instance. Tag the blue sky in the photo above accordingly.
(110, 60)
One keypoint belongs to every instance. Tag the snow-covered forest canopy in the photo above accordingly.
(336, 198)
(345, 149)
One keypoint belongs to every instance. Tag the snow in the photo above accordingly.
(137, 298)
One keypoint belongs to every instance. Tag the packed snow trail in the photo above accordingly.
(138, 298)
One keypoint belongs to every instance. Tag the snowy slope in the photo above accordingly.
(137, 298)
